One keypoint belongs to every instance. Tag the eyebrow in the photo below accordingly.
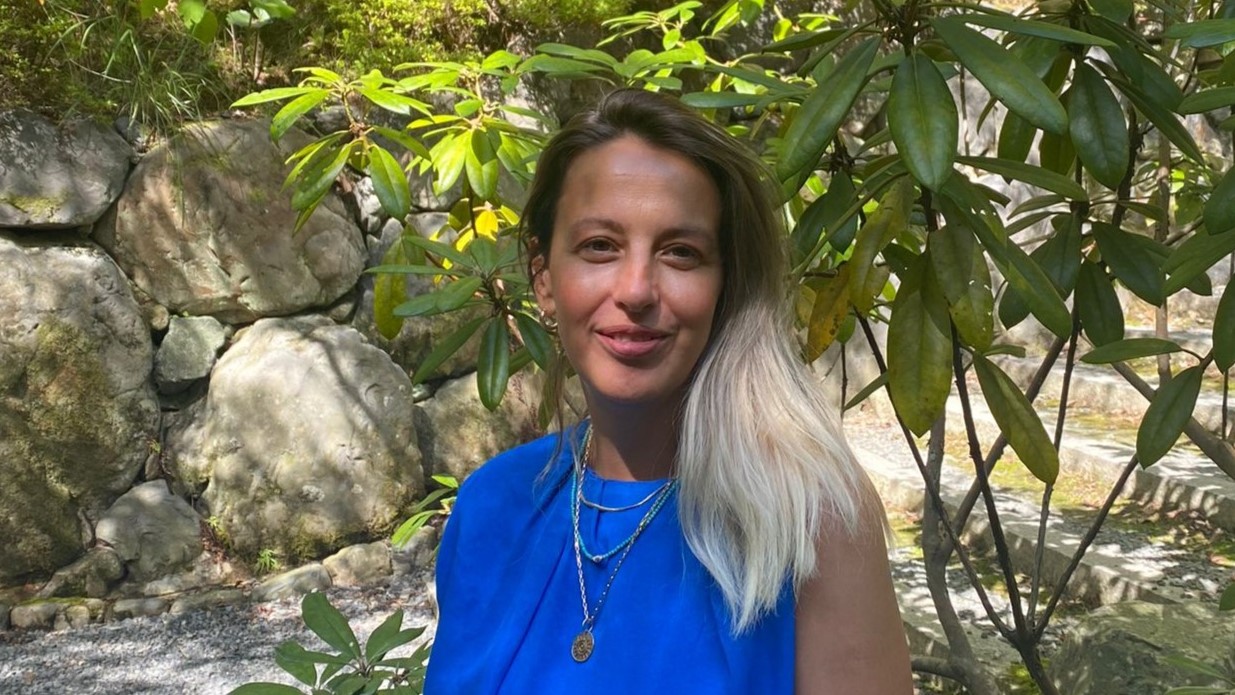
(688, 230)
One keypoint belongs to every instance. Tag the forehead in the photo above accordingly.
(629, 178)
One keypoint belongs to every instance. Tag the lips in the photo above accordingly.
(630, 342)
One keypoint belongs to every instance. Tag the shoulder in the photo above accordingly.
(513, 475)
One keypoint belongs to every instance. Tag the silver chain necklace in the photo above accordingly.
(583, 644)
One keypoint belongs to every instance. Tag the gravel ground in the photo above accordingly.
(200, 653)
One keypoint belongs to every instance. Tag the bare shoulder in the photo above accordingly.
(849, 633)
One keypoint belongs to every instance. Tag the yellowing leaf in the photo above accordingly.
(828, 313)
(487, 224)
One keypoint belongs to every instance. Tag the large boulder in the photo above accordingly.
(55, 178)
(306, 440)
(205, 228)
(1120, 648)
(78, 410)
(458, 433)
(153, 531)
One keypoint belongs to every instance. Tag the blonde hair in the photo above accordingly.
(761, 458)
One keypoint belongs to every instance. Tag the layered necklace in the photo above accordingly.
(584, 643)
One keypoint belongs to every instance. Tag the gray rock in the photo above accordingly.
(367, 208)
(94, 574)
(419, 334)
(77, 407)
(58, 177)
(418, 553)
(126, 608)
(297, 582)
(424, 196)
(306, 438)
(359, 565)
(188, 352)
(206, 600)
(4, 615)
(204, 228)
(39, 615)
(1120, 648)
(208, 570)
(76, 617)
(458, 433)
(154, 532)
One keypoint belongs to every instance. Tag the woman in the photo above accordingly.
(705, 529)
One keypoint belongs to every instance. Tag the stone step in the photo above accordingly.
(1099, 390)
(1184, 481)
(1122, 564)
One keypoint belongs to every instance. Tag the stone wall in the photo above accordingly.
(181, 375)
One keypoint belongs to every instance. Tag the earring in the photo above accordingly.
(548, 322)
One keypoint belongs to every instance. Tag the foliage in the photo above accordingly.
(352, 666)
(267, 561)
(894, 226)
(436, 504)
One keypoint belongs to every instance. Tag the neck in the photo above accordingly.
(634, 443)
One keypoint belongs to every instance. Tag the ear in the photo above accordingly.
(542, 285)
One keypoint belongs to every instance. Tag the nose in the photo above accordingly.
(636, 289)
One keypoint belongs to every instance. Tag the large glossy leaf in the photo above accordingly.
(1224, 330)
(919, 349)
(1028, 173)
(1037, 290)
(1056, 153)
(1129, 56)
(830, 308)
(1207, 100)
(266, 689)
(1004, 75)
(536, 339)
(1101, 315)
(1162, 117)
(1219, 213)
(389, 291)
(328, 623)
(287, 116)
(493, 363)
(1097, 126)
(1116, 11)
(1203, 33)
(480, 162)
(1060, 256)
(389, 183)
(1018, 421)
(882, 225)
(1195, 256)
(1015, 138)
(963, 276)
(815, 123)
(1130, 349)
(445, 348)
(1167, 415)
(268, 95)
(922, 119)
(1030, 27)
(823, 215)
(1138, 270)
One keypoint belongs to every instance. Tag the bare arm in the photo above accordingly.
(850, 638)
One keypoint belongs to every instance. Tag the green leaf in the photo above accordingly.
(1138, 270)
(493, 364)
(536, 339)
(1203, 33)
(1101, 315)
(963, 276)
(1195, 256)
(268, 95)
(328, 623)
(482, 166)
(1004, 75)
(1030, 27)
(390, 291)
(1224, 330)
(866, 392)
(294, 659)
(1219, 212)
(441, 250)
(318, 178)
(1037, 291)
(1162, 117)
(923, 121)
(147, 8)
(293, 110)
(815, 123)
(822, 215)
(449, 156)
(1056, 153)
(1097, 127)
(1028, 173)
(1167, 415)
(395, 103)
(919, 349)
(457, 293)
(387, 636)
(1130, 349)
(389, 183)
(446, 348)
(1018, 421)
(721, 100)
(265, 689)
(1227, 602)
(882, 225)
(1116, 11)
(1060, 257)
(1015, 138)
(1207, 100)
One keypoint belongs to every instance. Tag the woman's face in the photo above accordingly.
(634, 270)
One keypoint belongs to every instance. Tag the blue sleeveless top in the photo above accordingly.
(509, 603)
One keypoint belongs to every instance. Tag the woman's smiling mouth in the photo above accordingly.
(631, 342)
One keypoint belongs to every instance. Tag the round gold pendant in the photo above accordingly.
(581, 648)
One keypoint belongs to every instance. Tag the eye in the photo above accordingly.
(597, 247)
(683, 255)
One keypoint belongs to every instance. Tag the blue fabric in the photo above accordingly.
(508, 591)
